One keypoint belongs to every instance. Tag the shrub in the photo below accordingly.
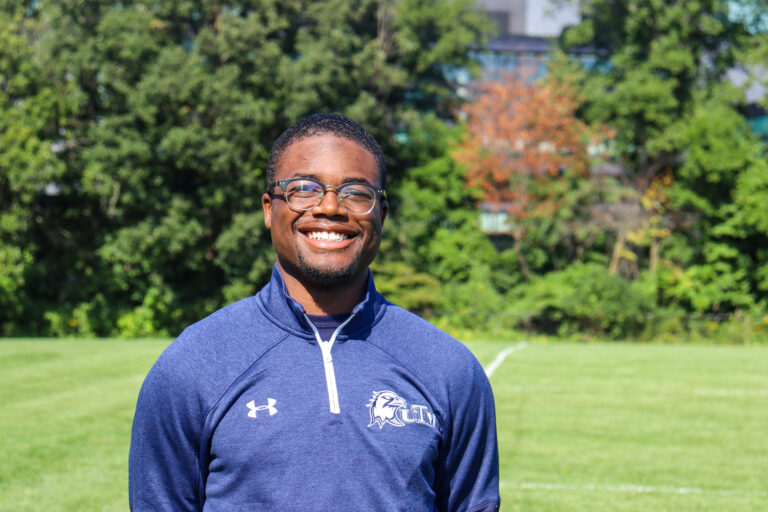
(584, 298)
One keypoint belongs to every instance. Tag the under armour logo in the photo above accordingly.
(269, 407)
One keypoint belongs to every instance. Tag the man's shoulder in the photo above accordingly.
(411, 337)
(401, 322)
(225, 340)
(232, 318)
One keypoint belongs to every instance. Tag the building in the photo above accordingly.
(535, 18)
(524, 29)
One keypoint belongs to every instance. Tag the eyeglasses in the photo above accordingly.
(306, 194)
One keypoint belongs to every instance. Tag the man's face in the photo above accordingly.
(303, 249)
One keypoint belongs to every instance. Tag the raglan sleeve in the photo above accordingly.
(163, 466)
(467, 474)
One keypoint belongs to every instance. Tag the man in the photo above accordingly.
(316, 394)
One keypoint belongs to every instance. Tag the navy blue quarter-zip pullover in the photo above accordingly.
(251, 409)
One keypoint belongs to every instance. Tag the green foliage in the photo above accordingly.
(719, 284)
(29, 112)
(578, 228)
(13, 262)
(434, 259)
(134, 138)
(83, 320)
(654, 59)
(659, 80)
(149, 318)
(751, 194)
(240, 254)
(135, 134)
(585, 298)
(400, 283)
(474, 306)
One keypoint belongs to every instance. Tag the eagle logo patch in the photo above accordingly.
(386, 407)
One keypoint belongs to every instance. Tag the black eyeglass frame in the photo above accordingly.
(379, 193)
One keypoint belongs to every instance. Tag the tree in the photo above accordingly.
(658, 78)
(525, 148)
(30, 109)
(140, 132)
(433, 245)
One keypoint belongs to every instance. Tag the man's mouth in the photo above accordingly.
(326, 235)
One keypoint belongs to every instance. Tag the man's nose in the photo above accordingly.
(330, 204)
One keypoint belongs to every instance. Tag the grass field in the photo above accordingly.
(615, 427)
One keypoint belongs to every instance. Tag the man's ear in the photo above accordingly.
(384, 210)
(266, 205)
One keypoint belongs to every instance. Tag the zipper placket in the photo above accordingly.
(330, 375)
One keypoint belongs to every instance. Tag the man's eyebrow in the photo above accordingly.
(356, 180)
(348, 179)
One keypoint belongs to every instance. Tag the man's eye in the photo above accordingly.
(357, 193)
(303, 187)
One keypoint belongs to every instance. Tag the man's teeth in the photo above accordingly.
(326, 235)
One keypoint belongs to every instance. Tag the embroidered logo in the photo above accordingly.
(255, 409)
(386, 407)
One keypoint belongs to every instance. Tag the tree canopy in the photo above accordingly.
(659, 79)
(135, 138)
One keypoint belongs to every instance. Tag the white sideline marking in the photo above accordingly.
(731, 392)
(723, 393)
(502, 355)
(631, 488)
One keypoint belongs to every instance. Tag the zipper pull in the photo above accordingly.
(325, 348)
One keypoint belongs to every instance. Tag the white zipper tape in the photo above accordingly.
(330, 375)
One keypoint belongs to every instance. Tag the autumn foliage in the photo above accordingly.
(521, 134)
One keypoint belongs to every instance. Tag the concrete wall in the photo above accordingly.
(535, 17)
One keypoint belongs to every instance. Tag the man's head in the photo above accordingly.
(319, 124)
(321, 243)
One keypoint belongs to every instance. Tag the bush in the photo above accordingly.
(86, 319)
(584, 298)
(402, 285)
(677, 326)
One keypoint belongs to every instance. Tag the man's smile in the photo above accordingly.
(326, 235)
(327, 238)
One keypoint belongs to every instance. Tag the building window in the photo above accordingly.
(501, 20)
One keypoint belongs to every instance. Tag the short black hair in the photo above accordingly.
(322, 124)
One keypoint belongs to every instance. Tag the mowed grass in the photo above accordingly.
(65, 422)
(626, 427)
(613, 427)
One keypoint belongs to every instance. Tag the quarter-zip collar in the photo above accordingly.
(285, 311)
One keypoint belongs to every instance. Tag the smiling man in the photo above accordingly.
(316, 394)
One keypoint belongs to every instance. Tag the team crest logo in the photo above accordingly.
(385, 407)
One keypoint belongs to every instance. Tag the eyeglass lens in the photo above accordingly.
(355, 198)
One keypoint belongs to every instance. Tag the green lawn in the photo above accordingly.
(65, 424)
(582, 427)
(624, 427)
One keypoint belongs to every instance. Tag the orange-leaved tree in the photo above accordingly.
(522, 142)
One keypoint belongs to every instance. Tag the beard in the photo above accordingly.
(326, 276)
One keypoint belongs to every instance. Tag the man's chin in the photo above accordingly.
(327, 276)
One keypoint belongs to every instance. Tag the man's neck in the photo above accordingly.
(322, 300)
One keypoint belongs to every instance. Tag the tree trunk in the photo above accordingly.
(654, 263)
(616, 257)
(517, 247)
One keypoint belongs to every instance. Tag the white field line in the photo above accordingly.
(718, 393)
(731, 392)
(630, 488)
(502, 355)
